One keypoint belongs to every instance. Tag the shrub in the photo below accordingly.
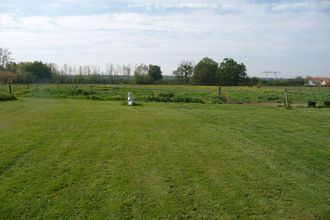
(5, 97)
(74, 92)
(166, 95)
(142, 79)
(273, 97)
(221, 101)
(327, 102)
(311, 104)
(170, 97)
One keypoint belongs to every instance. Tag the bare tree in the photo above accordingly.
(109, 71)
(127, 70)
(5, 58)
(65, 69)
(87, 70)
(7, 77)
(81, 70)
(55, 73)
(141, 69)
(184, 71)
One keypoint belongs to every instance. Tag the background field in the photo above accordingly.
(165, 93)
(79, 158)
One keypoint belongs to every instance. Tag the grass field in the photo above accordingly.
(165, 93)
(79, 158)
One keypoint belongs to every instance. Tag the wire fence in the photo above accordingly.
(163, 93)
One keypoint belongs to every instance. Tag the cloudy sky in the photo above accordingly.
(292, 37)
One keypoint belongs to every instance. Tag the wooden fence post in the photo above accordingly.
(10, 91)
(219, 93)
(286, 101)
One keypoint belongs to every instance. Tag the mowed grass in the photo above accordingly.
(78, 159)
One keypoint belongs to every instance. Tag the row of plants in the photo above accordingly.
(7, 97)
(312, 104)
(169, 94)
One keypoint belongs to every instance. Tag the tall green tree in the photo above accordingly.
(155, 72)
(11, 67)
(205, 72)
(39, 70)
(141, 75)
(184, 71)
(231, 73)
(25, 77)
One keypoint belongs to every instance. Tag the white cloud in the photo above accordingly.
(174, 5)
(261, 39)
(301, 6)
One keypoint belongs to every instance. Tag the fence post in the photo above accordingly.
(219, 93)
(10, 92)
(286, 101)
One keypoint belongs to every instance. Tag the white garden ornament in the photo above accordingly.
(130, 99)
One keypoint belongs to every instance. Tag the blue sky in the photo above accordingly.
(292, 37)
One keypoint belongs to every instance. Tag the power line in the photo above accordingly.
(273, 73)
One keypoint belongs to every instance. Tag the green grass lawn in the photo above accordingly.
(77, 158)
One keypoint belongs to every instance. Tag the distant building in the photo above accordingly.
(319, 81)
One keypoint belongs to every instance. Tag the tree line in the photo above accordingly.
(205, 72)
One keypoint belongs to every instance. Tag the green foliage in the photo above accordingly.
(327, 103)
(141, 75)
(25, 77)
(184, 72)
(205, 72)
(171, 97)
(39, 70)
(208, 94)
(11, 67)
(7, 97)
(166, 95)
(155, 72)
(311, 104)
(143, 79)
(231, 73)
(297, 81)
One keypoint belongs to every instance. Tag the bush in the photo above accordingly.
(166, 95)
(273, 97)
(74, 92)
(5, 97)
(142, 79)
(221, 101)
(311, 104)
(327, 103)
(187, 99)
(170, 97)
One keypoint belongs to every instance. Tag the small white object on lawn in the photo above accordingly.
(130, 99)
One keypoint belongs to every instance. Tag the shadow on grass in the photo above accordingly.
(4, 97)
(134, 105)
